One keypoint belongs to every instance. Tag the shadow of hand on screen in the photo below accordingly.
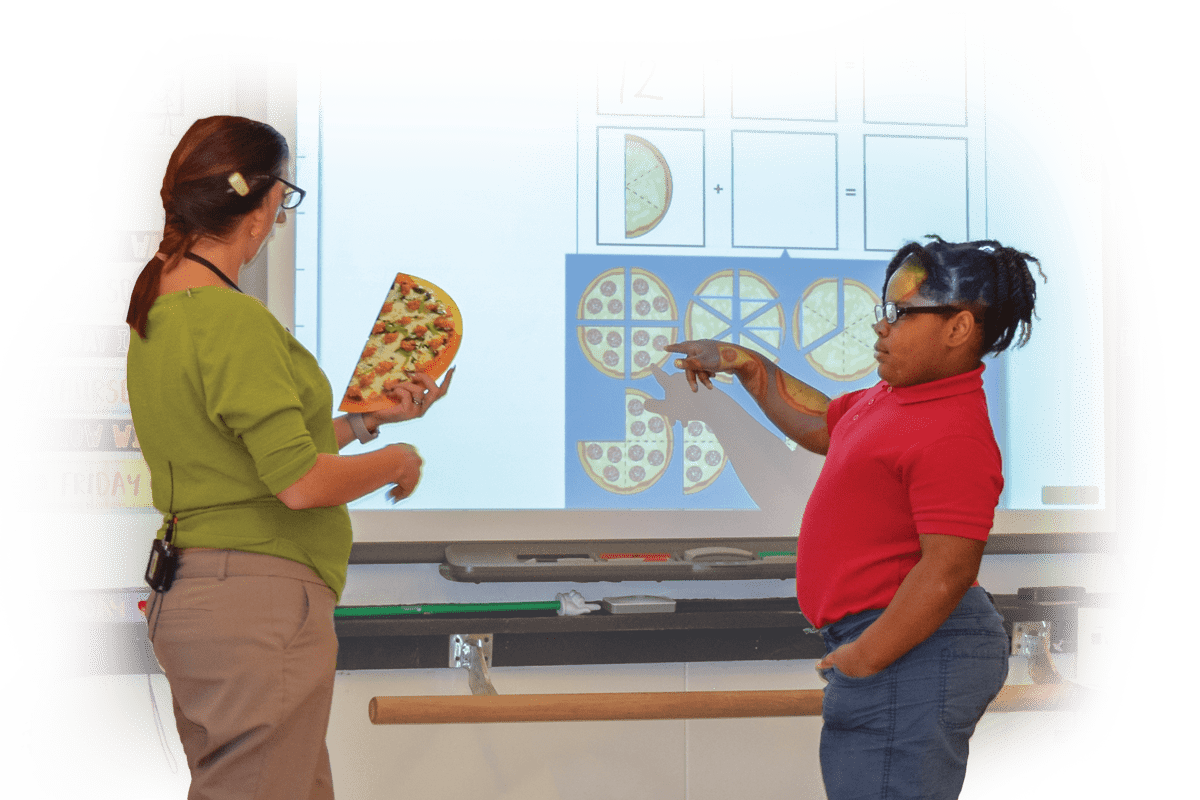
(777, 478)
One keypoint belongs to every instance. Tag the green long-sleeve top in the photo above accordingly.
(230, 410)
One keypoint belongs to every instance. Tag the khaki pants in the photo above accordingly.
(248, 646)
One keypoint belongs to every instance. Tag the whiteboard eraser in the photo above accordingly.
(638, 604)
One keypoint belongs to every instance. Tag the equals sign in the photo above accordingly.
(851, 192)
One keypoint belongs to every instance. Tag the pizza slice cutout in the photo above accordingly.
(418, 329)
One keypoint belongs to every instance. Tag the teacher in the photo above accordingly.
(235, 421)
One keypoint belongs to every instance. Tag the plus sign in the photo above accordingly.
(717, 188)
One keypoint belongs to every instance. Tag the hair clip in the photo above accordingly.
(239, 184)
(987, 248)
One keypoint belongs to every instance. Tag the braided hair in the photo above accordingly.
(221, 170)
(986, 277)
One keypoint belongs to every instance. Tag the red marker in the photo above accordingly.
(636, 556)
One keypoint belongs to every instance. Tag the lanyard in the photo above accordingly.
(205, 262)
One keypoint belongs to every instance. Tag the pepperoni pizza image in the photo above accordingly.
(703, 457)
(627, 316)
(418, 329)
(635, 464)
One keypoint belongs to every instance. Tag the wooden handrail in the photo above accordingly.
(663, 705)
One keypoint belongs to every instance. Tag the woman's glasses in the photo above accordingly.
(292, 194)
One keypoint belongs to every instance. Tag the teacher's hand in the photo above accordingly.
(405, 471)
(413, 398)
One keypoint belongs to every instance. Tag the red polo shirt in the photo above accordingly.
(901, 463)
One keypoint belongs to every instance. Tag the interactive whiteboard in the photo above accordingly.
(585, 212)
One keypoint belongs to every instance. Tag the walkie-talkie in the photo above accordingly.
(164, 556)
(160, 569)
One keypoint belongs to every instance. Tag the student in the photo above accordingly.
(235, 421)
(893, 533)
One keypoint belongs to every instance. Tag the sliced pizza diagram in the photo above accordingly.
(833, 326)
(647, 186)
(703, 457)
(737, 306)
(627, 316)
(635, 464)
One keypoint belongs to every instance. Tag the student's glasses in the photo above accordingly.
(892, 312)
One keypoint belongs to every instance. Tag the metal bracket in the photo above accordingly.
(1032, 639)
(473, 652)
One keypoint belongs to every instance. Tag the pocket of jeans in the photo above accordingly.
(865, 704)
(863, 679)
(973, 670)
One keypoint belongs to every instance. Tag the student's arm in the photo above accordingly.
(926, 597)
(796, 408)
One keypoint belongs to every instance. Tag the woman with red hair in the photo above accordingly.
(234, 417)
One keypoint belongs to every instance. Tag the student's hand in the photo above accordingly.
(850, 662)
(701, 361)
(413, 398)
(404, 472)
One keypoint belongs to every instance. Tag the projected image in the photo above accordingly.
(635, 464)
(624, 333)
(739, 307)
(650, 198)
(647, 186)
(703, 457)
(832, 326)
(635, 436)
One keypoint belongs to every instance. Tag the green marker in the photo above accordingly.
(441, 608)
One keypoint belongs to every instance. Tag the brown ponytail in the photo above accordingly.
(199, 199)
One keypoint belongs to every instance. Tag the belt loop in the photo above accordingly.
(223, 570)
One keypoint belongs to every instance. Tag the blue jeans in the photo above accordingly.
(903, 732)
